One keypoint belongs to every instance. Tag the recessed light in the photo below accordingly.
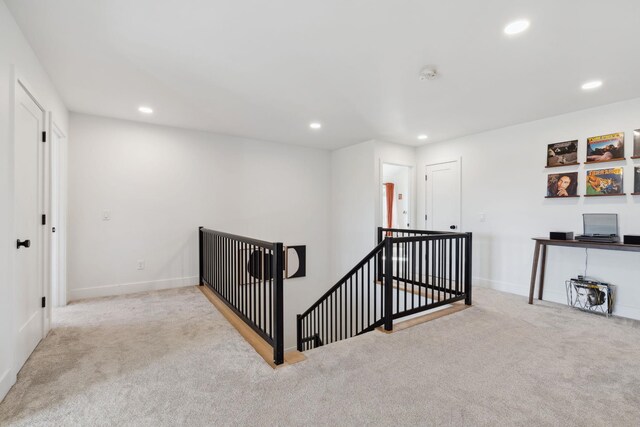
(145, 110)
(516, 27)
(422, 137)
(315, 125)
(592, 85)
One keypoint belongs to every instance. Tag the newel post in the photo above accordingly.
(388, 284)
(200, 259)
(278, 305)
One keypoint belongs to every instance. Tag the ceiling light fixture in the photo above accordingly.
(516, 27)
(145, 110)
(315, 125)
(592, 85)
(422, 137)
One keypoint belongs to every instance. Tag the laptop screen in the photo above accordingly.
(606, 224)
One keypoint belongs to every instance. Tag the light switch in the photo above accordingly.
(483, 217)
(106, 215)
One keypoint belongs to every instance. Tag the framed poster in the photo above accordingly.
(636, 144)
(562, 154)
(636, 180)
(562, 185)
(605, 148)
(605, 182)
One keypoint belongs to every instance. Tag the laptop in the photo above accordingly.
(600, 228)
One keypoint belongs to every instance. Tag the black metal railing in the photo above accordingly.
(247, 275)
(409, 271)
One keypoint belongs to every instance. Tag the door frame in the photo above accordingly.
(412, 192)
(58, 198)
(44, 257)
(426, 189)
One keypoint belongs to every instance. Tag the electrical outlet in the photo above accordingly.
(483, 217)
(140, 264)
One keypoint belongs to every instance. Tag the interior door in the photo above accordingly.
(29, 176)
(443, 196)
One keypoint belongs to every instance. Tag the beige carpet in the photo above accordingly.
(169, 358)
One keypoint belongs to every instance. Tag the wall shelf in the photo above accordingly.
(561, 166)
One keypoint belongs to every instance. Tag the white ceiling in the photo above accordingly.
(265, 69)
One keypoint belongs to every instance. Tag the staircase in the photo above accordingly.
(408, 272)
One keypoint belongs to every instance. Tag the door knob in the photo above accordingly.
(25, 243)
(453, 227)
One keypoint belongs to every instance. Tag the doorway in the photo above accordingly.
(443, 196)
(57, 226)
(396, 196)
(29, 215)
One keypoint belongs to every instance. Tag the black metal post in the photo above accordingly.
(379, 272)
(467, 277)
(278, 305)
(201, 265)
(299, 332)
(388, 284)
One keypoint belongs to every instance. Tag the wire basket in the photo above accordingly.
(590, 296)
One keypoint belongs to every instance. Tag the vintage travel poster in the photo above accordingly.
(562, 154)
(603, 182)
(636, 143)
(562, 185)
(605, 148)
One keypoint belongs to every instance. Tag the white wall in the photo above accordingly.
(504, 177)
(160, 183)
(356, 206)
(14, 52)
(353, 206)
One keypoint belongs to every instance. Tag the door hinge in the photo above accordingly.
(426, 177)
(44, 302)
(44, 136)
(44, 219)
(425, 217)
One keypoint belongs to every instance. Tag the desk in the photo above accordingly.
(542, 243)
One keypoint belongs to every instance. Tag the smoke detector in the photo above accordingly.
(428, 73)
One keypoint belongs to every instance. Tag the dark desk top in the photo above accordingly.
(589, 245)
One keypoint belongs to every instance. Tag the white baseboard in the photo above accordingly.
(7, 380)
(549, 295)
(130, 288)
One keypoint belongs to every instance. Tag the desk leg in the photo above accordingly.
(534, 270)
(542, 268)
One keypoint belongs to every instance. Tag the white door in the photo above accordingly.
(29, 176)
(443, 196)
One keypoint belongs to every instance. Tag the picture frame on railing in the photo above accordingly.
(560, 185)
(562, 154)
(636, 144)
(636, 181)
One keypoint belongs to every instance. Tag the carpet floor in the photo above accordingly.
(169, 358)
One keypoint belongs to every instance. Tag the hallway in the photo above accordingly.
(168, 357)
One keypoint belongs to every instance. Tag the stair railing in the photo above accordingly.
(246, 274)
(408, 272)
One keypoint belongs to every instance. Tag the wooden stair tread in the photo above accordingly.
(401, 326)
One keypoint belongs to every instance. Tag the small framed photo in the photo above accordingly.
(636, 180)
(605, 182)
(636, 144)
(562, 185)
(605, 148)
(562, 154)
